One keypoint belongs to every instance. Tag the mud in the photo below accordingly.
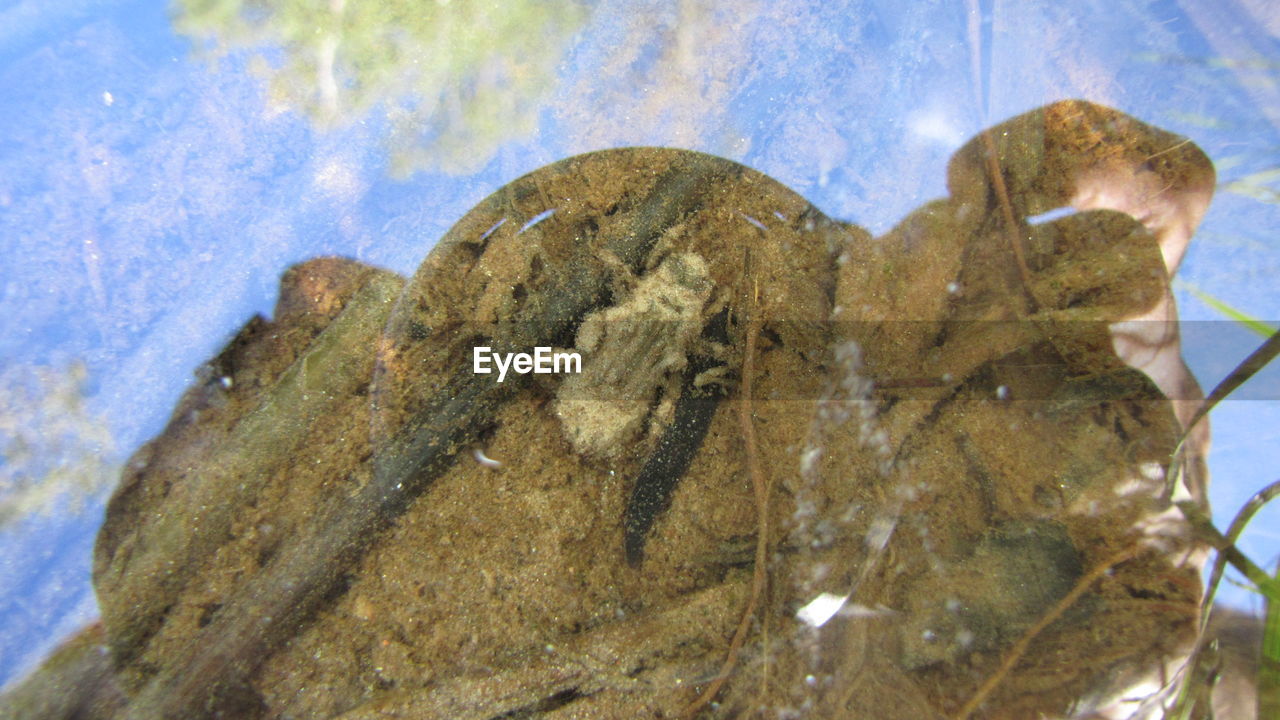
(947, 437)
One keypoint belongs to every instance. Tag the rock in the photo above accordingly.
(342, 519)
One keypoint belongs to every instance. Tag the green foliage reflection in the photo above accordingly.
(51, 446)
(456, 79)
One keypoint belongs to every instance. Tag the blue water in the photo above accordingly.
(150, 198)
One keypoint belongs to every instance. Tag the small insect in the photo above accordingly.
(635, 353)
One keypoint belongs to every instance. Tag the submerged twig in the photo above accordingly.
(761, 490)
(311, 569)
(1020, 648)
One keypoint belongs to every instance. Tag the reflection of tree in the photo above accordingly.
(457, 79)
(52, 447)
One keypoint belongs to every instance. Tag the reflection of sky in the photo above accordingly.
(149, 202)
